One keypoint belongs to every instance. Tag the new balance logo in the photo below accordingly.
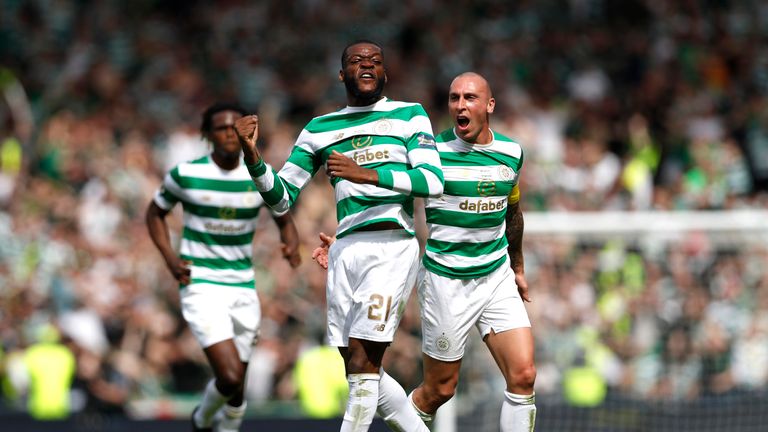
(379, 327)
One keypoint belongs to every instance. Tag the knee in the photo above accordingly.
(357, 363)
(445, 392)
(437, 394)
(364, 359)
(523, 377)
(230, 380)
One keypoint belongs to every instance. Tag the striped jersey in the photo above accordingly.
(394, 138)
(220, 213)
(466, 225)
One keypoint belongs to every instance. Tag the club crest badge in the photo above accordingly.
(382, 127)
(506, 173)
(443, 344)
(250, 199)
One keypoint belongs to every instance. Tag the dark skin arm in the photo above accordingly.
(514, 233)
(247, 130)
(346, 168)
(158, 232)
(290, 238)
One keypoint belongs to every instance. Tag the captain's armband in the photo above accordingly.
(514, 195)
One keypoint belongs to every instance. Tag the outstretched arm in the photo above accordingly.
(514, 233)
(158, 232)
(279, 191)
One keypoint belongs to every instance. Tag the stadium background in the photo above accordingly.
(636, 106)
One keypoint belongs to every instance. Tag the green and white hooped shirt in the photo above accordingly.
(220, 213)
(394, 138)
(466, 225)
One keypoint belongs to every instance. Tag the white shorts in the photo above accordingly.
(449, 308)
(370, 276)
(216, 313)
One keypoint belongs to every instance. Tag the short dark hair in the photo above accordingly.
(357, 42)
(218, 107)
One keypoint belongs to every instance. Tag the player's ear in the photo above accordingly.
(385, 77)
(341, 75)
(491, 105)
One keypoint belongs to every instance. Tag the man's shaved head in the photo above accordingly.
(470, 104)
(480, 81)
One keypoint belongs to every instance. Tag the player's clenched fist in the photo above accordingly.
(247, 129)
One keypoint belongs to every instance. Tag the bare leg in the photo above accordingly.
(439, 386)
(227, 385)
(513, 351)
(362, 360)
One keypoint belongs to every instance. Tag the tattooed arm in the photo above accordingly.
(514, 234)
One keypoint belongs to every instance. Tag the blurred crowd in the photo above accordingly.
(632, 105)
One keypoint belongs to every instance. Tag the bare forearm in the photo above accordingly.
(250, 156)
(369, 176)
(339, 165)
(288, 233)
(514, 233)
(158, 232)
(290, 238)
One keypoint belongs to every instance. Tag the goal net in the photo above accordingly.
(643, 321)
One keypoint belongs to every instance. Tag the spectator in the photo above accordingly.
(51, 368)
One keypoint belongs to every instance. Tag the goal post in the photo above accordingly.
(737, 222)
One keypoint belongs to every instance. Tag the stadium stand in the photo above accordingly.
(623, 108)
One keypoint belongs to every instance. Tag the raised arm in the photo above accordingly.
(279, 191)
(247, 130)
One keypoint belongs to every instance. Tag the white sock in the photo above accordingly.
(361, 405)
(394, 406)
(518, 413)
(229, 418)
(212, 401)
(426, 418)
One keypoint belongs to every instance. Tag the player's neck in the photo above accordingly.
(226, 161)
(362, 101)
(484, 137)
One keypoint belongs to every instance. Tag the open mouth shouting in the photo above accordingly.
(367, 76)
(462, 122)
